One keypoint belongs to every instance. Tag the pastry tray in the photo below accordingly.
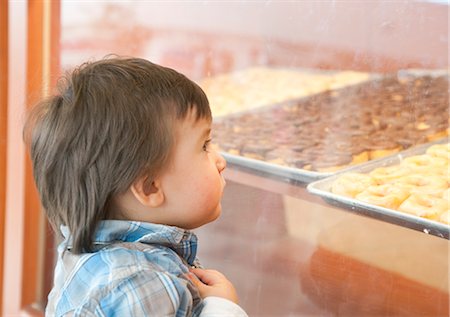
(322, 189)
(297, 175)
(290, 174)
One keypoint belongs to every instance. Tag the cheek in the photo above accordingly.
(208, 190)
(200, 186)
(208, 187)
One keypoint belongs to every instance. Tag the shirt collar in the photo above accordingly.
(183, 242)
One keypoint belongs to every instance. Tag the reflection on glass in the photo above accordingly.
(313, 86)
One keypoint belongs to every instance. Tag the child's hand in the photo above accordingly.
(213, 283)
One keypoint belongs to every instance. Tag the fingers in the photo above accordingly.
(209, 277)
(195, 280)
(202, 288)
(212, 283)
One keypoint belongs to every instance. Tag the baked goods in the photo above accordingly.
(445, 217)
(334, 129)
(429, 184)
(386, 195)
(446, 195)
(351, 184)
(260, 86)
(424, 163)
(383, 175)
(419, 185)
(424, 205)
(440, 150)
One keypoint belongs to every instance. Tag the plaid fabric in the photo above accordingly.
(137, 270)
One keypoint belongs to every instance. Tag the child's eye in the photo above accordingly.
(206, 145)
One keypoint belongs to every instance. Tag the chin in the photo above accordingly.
(214, 215)
(218, 212)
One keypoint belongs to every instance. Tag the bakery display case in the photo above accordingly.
(299, 95)
(335, 127)
(303, 93)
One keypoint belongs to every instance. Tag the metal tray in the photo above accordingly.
(302, 176)
(287, 173)
(265, 168)
(322, 189)
(272, 169)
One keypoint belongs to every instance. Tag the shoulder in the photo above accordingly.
(141, 294)
(119, 275)
(145, 257)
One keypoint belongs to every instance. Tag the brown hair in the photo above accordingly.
(111, 122)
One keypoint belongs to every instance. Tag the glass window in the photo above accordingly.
(300, 91)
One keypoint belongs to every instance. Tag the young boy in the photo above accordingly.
(123, 165)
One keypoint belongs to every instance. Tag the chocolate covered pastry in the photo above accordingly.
(335, 129)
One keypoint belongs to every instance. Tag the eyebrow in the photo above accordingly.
(205, 133)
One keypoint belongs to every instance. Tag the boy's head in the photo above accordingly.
(113, 144)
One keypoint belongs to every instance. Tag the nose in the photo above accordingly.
(220, 162)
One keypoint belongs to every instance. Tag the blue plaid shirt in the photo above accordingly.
(137, 270)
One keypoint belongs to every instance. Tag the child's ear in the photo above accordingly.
(148, 192)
